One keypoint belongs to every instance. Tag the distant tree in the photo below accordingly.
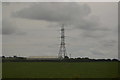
(78, 58)
(114, 60)
(108, 59)
(86, 58)
(15, 56)
(21, 57)
(66, 57)
(3, 56)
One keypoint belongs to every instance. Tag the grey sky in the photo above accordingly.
(32, 29)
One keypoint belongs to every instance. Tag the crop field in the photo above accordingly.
(60, 70)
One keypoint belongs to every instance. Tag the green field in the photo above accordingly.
(60, 70)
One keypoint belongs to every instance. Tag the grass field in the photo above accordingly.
(60, 70)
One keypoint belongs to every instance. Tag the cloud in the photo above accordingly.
(59, 12)
(86, 35)
(7, 27)
(75, 14)
(10, 28)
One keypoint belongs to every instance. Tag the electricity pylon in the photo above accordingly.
(62, 51)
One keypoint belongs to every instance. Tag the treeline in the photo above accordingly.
(66, 59)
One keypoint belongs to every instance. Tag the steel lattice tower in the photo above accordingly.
(62, 51)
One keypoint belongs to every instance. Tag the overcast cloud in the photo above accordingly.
(32, 29)
(67, 13)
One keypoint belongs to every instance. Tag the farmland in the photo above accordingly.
(60, 69)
